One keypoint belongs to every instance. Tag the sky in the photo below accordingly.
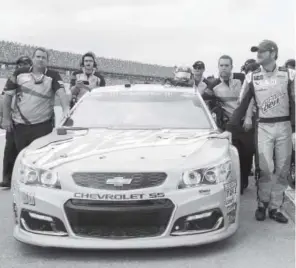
(164, 32)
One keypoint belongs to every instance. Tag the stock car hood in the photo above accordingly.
(117, 149)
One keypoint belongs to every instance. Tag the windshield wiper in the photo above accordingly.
(63, 130)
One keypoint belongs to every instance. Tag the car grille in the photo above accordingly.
(119, 220)
(97, 180)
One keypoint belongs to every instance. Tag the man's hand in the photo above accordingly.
(247, 124)
(80, 85)
(66, 113)
(7, 124)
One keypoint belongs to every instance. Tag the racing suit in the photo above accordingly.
(226, 95)
(274, 97)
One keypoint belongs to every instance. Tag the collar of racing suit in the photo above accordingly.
(265, 71)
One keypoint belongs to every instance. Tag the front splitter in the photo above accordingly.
(141, 243)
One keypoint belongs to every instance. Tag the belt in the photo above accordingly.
(273, 119)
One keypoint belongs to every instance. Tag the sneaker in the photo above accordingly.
(5, 184)
(277, 216)
(260, 214)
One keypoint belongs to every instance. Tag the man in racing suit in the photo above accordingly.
(250, 66)
(272, 89)
(224, 95)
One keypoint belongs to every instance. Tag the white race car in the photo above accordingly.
(143, 166)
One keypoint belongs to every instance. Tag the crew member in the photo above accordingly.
(10, 152)
(34, 89)
(224, 93)
(87, 78)
(272, 88)
(290, 64)
(248, 62)
(249, 124)
(200, 82)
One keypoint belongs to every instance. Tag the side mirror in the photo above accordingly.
(61, 131)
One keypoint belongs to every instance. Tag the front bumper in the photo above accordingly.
(185, 203)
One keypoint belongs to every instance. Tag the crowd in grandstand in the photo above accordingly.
(10, 51)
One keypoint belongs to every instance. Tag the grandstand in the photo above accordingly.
(10, 51)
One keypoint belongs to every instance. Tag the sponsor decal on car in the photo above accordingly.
(231, 208)
(231, 213)
(118, 196)
(28, 198)
(230, 190)
(205, 191)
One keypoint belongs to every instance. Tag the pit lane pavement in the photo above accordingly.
(266, 244)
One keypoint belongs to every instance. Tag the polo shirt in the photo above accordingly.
(228, 93)
(34, 96)
(201, 86)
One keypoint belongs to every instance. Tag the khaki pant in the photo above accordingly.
(273, 139)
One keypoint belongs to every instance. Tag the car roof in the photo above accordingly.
(144, 87)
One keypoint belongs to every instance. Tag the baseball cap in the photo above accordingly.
(265, 45)
(24, 60)
(198, 65)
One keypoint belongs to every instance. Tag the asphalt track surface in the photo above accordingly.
(255, 245)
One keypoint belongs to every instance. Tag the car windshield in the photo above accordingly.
(140, 110)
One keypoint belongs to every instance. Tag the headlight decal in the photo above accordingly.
(36, 176)
(206, 176)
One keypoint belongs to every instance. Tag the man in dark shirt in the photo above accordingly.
(10, 151)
